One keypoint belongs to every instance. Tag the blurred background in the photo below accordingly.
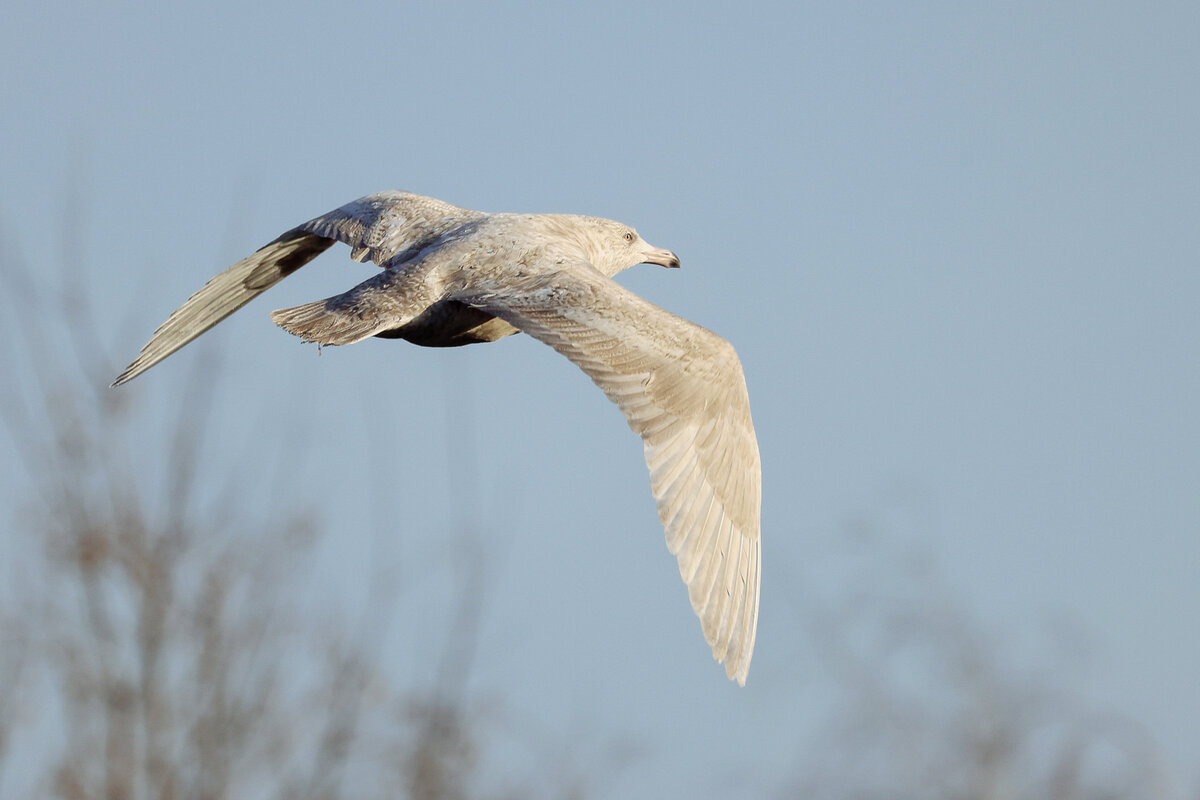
(955, 245)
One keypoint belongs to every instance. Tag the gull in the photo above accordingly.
(451, 276)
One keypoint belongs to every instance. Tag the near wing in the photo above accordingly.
(682, 390)
(388, 227)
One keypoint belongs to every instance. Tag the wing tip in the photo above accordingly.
(728, 611)
(737, 667)
(139, 365)
(739, 674)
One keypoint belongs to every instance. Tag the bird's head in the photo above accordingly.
(612, 247)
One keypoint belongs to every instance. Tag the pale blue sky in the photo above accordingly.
(955, 245)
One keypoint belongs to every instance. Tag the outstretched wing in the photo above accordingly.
(682, 389)
(386, 228)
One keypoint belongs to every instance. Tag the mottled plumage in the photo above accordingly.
(452, 277)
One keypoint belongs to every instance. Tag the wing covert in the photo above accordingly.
(390, 227)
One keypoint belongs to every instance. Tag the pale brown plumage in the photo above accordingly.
(452, 276)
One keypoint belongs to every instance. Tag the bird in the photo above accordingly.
(451, 276)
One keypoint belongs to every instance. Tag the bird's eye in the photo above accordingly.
(630, 236)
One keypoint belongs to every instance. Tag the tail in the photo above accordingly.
(331, 321)
(389, 300)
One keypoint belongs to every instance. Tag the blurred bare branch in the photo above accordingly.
(930, 706)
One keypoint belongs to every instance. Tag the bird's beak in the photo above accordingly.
(664, 258)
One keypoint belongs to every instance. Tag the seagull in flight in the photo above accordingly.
(451, 276)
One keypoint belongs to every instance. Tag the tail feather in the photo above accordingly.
(328, 322)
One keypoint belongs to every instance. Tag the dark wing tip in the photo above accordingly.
(138, 366)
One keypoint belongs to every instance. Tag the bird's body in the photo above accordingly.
(452, 276)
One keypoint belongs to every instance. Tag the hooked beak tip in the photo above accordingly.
(663, 258)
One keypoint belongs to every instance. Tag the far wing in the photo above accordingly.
(682, 389)
(387, 227)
